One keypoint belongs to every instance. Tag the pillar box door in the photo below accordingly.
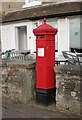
(45, 62)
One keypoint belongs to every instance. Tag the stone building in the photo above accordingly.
(10, 6)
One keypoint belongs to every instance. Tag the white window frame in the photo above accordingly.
(31, 4)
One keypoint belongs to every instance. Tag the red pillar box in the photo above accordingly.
(45, 62)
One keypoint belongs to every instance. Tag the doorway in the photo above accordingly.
(21, 37)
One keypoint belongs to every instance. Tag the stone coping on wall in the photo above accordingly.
(68, 69)
(28, 64)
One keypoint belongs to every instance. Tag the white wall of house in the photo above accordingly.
(7, 37)
(31, 38)
(63, 35)
(9, 34)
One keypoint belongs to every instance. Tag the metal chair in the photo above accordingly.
(72, 58)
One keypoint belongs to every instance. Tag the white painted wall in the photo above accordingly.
(63, 35)
(9, 37)
(30, 37)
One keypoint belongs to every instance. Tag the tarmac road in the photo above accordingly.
(18, 110)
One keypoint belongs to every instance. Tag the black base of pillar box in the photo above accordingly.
(45, 97)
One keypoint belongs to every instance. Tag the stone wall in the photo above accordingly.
(18, 80)
(18, 84)
(68, 80)
(11, 6)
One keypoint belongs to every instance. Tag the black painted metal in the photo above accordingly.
(45, 97)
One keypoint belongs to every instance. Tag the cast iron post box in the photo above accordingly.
(45, 62)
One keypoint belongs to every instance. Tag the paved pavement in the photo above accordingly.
(31, 110)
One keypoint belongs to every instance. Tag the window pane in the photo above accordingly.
(31, 1)
(74, 32)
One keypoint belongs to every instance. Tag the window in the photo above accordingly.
(74, 33)
(31, 3)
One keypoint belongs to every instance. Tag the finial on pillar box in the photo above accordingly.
(44, 20)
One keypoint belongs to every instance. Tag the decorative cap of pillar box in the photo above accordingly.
(45, 29)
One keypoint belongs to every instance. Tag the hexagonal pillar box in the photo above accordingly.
(45, 62)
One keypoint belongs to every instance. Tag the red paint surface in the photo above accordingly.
(45, 77)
